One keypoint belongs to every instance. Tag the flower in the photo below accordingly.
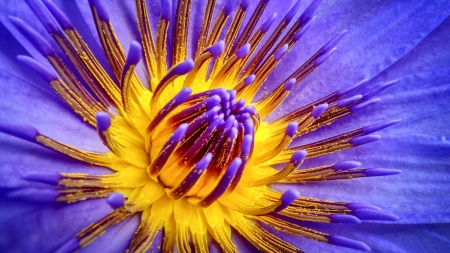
(142, 138)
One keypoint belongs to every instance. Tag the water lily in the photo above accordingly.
(228, 125)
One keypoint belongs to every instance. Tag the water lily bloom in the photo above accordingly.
(234, 126)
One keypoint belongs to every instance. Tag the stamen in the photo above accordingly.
(128, 86)
(348, 243)
(287, 198)
(206, 22)
(274, 99)
(213, 37)
(233, 30)
(161, 36)
(180, 32)
(271, 152)
(296, 160)
(116, 200)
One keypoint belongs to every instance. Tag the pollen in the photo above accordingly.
(192, 152)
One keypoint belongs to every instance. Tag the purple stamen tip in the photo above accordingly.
(21, 131)
(101, 10)
(34, 195)
(52, 178)
(309, 12)
(346, 90)
(116, 200)
(379, 89)
(304, 28)
(344, 218)
(244, 4)
(265, 27)
(233, 94)
(243, 51)
(281, 52)
(103, 121)
(248, 127)
(228, 7)
(217, 49)
(247, 144)
(212, 101)
(298, 157)
(319, 110)
(356, 206)
(287, 199)
(291, 129)
(134, 53)
(184, 67)
(60, 17)
(364, 139)
(344, 102)
(348, 243)
(289, 84)
(44, 72)
(41, 44)
(370, 214)
(249, 79)
(250, 109)
(376, 127)
(364, 104)
(166, 13)
(381, 172)
(292, 11)
(43, 16)
(179, 133)
(70, 246)
(204, 162)
(325, 56)
(183, 95)
(347, 165)
(332, 43)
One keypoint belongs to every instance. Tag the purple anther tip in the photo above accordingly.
(309, 12)
(356, 206)
(183, 95)
(243, 51)
(217, 49)
(265, 27)
(249, 79)
(319, 110)
(332, 43)
(221, 92)
(289, 84)
(134, 53)
(204, 162)
(70, 246)
(43, 177)
(348, 243)
(212, 101)
(101, 10)
(292, 11)
(250, 109)
(291, 129)
(34, 195)
(364, 104)
(233, 94)
(249, 127)
(376, 127)
(244, 117)
(103, 121)
(240, 103)
(364, 139)
(166, 13)
(370, 214)
(244, 4)
(379, 88)
(41, 44)
(381, 172)
(304, 28)
(325, 56)
(179, 133)
(184, 67)
(44, 72)
(347, 165)
(246, 144)
(287, 198)
(346, 90)
(281, 52)
(60, 17)
(344, 102)
(298, 157)
(228, 7)
(43, 16)
(116, 200)
(21, 131)
(344, 218)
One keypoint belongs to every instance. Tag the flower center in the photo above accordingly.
(212, 140)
